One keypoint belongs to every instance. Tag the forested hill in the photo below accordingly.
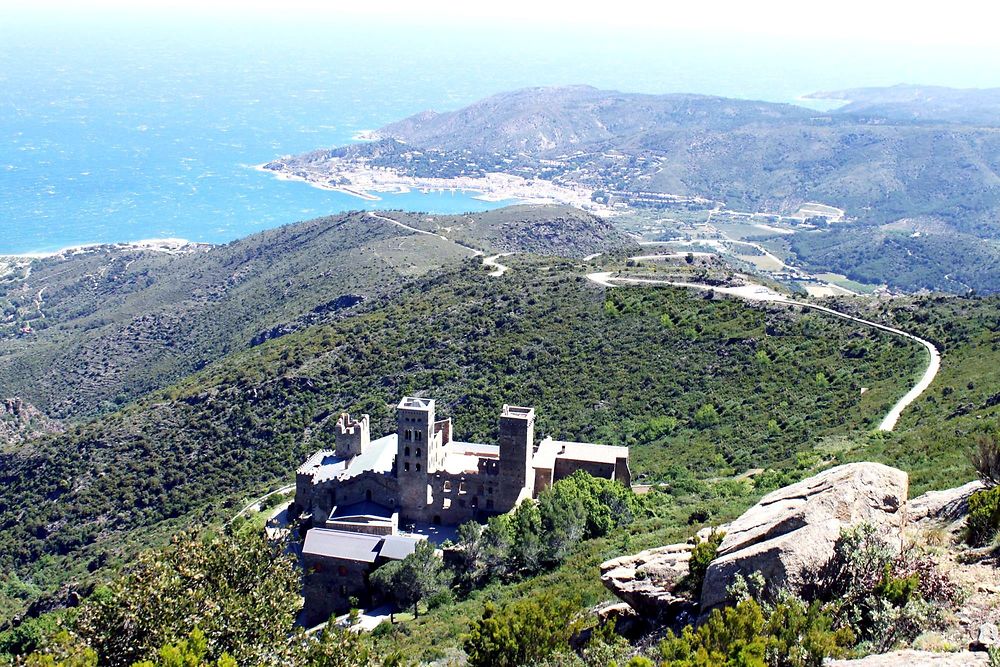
(112, 323)
(701, 386)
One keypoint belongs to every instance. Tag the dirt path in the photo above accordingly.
(496, 268)
(754, 292)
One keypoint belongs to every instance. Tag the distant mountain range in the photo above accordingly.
(979, 106)
(896, 159)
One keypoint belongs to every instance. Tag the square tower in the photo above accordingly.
(352, 436)
(517, 445)
(415, 452)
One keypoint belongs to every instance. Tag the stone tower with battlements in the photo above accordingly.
(352, 437)
(517, 446)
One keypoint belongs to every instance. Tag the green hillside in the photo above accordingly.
(707, 386)
(114, 323)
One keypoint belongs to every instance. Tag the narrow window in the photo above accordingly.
(447, 486)
(406, 466)
(418, 451)
(368, 494)
(418, 435)
(418, 467)
(406, 452)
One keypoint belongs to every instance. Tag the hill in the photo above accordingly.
(112, 323)
(646, 150)
(920, 103)
(695, 385)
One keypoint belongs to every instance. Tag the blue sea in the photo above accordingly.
(118, 128)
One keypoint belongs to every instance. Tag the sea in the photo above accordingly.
(126, 128)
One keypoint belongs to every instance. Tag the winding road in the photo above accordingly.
(753, 292)
(750, 292)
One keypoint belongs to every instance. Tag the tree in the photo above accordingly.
(338, 648)
(190, 652)
(417, 577)
(498, 540)
(470, 545)
(706, 416)
(522, 632)
(526, 549)
(236, 589)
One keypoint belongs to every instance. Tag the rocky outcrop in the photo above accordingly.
(648, 580)
(948, 506)
(790, 534)
(915, 659)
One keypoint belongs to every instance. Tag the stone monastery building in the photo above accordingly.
(356, 497)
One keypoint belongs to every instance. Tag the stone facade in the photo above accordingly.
(428, 477)
(356, 498)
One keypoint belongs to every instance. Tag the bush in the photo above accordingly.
(793, 634)
(986, 459)
(882, 596)
(701, 557)
(984, 516)
(522, 633)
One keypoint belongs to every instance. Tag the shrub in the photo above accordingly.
(983, 520)
(793, 634)
(701, 557)
(882, 596)
(986, 458)
(521, 633)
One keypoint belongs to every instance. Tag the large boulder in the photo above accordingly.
(648, 579)
(789, 535)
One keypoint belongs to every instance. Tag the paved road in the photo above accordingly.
(753, 292)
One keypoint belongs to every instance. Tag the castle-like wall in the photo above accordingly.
(371, 486)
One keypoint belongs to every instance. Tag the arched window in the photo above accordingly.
(368, 494)
(406, 466)
(408, 435)
(406, 452)
(418, 451)
(418, 435)
(418, 467)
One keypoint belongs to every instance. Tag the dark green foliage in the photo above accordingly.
(236, 590)
(522, 632)
(793, 634)
(414, 579)
(701, 557)
(474, 343)
(983, 520)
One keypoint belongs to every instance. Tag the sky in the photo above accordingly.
(958, 23)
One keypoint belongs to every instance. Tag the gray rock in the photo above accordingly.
(949, 506)
(789, 535)
(911, 658)
(989, 636)
(648, 579)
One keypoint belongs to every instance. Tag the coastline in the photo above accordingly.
(359, 180)
(167, 245)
